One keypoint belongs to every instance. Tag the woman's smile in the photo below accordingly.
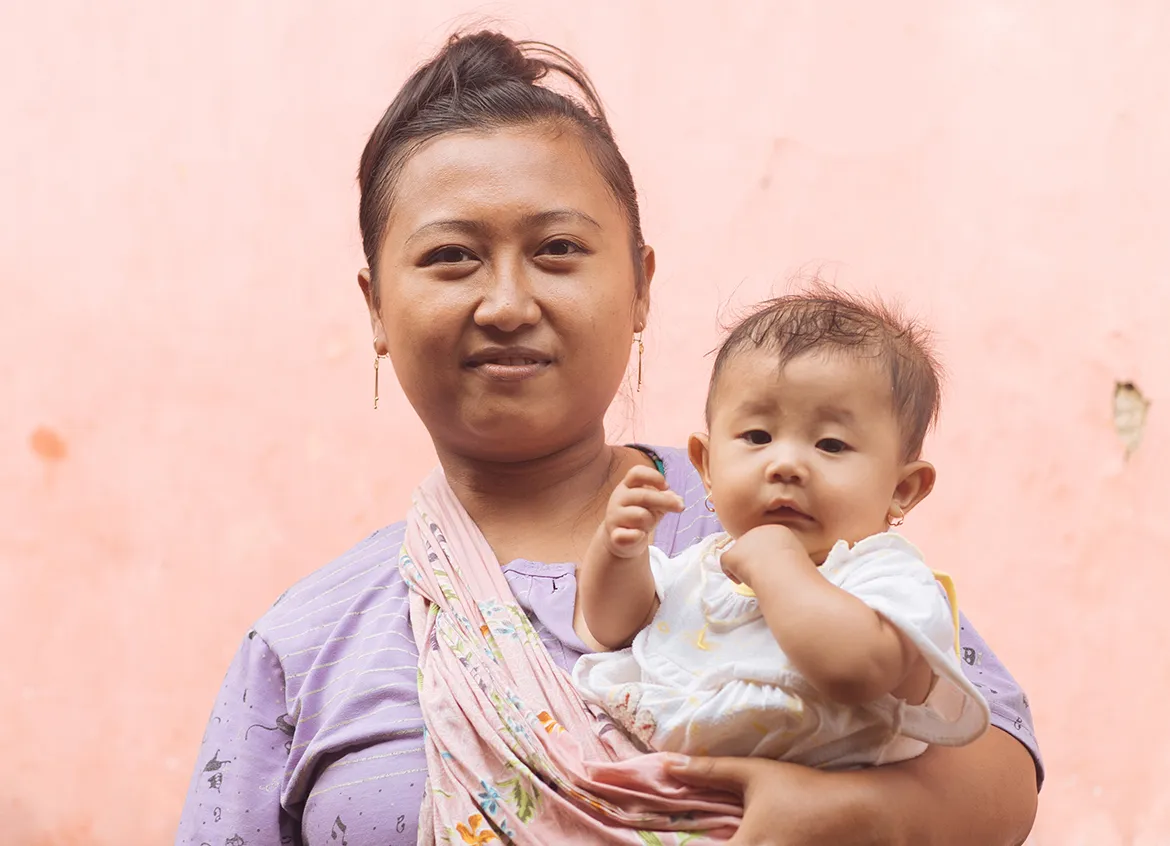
(508, 364)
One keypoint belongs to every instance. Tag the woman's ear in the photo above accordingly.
(646, 276)
(698, 450)
(366, 283)
(646, 254)
(916, 483)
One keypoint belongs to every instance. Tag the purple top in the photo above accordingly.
(316, 734)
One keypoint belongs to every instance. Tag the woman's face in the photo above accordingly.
(509, 291)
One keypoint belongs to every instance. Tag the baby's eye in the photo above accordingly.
(758, 437)
(832, 445)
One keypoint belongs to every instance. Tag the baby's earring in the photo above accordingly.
(707, 502)
(895, 517)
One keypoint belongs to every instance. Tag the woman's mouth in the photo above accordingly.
(508, 364)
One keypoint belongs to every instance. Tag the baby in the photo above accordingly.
(808, 632)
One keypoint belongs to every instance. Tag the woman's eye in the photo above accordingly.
(832, 445)
(758, 437)
(560, 247)
(449, 255)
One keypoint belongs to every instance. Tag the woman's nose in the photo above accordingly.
(508, 303)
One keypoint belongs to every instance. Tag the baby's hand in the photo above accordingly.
(761, 547)
(635, 507)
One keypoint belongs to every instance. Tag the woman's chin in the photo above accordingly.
(510, 435)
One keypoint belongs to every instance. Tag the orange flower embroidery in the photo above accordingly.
(547, 721)
(471, 833)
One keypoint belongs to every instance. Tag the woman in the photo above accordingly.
(507, 280)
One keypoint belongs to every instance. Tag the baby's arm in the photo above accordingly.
(844, 648)
(615, 587)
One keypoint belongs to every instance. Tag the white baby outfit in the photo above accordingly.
(707, 677)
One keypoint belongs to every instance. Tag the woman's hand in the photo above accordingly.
(789, 804)
(981, 794)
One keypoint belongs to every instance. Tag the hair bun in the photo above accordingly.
(486, 59)
(486, 80)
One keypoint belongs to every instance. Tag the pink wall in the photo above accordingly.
(186, 363)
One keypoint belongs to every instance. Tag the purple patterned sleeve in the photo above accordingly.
(234, 797)
(1010, 710)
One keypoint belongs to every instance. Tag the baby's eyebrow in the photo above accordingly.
(837, 414)
(756, 405)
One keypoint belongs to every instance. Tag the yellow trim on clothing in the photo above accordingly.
(953, 600)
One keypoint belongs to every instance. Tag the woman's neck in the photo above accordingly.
(546, 508)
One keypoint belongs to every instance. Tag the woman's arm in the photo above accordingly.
(234, 795)
(982, 794)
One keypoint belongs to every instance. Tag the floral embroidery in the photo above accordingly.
(489, 798)
(680, 838)
(471, 833)
(638, 722)
(522, 797)
(475, 657)
(546, 720)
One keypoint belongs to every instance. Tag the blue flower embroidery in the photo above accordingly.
(489, 798)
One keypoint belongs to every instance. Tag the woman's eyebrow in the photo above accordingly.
(463, 227)
(560, 216)
(479, 227)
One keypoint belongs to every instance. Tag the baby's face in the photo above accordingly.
(814, 446)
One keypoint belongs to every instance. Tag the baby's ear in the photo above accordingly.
(698, 449)
(917, 481)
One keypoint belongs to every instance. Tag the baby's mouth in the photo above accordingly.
(788, 512)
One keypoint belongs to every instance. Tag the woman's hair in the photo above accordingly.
(824, 318)
(486, 81)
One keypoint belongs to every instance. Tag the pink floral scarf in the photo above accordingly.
(513, 753)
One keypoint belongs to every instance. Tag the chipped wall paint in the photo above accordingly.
(187, 424)
(1129, 415)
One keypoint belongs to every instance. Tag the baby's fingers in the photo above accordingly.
(652, 499)
(623, 537)
(642, 476)
(627, 543)
(633, 517)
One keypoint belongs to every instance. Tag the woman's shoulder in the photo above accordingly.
(363, 579)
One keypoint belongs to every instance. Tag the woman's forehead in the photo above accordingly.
(524, 171)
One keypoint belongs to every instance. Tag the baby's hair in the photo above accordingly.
(824, 318)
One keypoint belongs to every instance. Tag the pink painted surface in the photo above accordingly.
(186, 363)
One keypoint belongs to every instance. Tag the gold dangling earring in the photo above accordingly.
(897, 519)
(377, 358)
(641, 349)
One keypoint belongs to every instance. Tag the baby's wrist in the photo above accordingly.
(786, 563)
